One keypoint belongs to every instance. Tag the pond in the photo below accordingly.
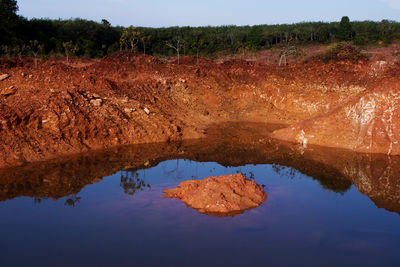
(325, 207)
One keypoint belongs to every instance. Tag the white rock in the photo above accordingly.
(96, 102)
(129, 110)
(4, 76)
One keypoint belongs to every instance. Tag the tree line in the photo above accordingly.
(85, 38)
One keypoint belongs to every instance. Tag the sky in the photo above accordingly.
(159, 13)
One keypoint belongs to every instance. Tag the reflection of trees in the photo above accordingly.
(178, 176)
(326, 181)
(72, 201)
(249, 175)
(39, 200)
(132, 183)
(284, 171)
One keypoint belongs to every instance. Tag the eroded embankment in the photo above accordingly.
(55, 109)
(369, 123)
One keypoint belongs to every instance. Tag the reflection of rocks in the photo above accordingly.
(376, 176)
(220, 196)
(67, 176)
(328, 177)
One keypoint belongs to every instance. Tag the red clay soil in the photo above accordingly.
(57, 109)
(369, 123)
(221, 196)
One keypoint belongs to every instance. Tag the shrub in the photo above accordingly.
(343, 51)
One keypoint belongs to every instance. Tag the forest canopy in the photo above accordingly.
(97, 39)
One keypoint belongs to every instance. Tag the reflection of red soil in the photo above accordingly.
(56, 109)
(375, 175)
(224, 195)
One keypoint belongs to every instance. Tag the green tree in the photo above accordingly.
(255, 36)
(8, 20)
(130, 38)
(177, 44)
(70, 49)
(290, 50)
(97, 39)
(144, 39)
(198, 43)
(345, 30)
(36, 49)
(105, 23)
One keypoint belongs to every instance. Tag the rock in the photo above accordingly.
(4, 76)
(95, 95)
(8, 91)
(147, 111)
(96, 102)
(225, 195)
(30, 76)
(129, 110)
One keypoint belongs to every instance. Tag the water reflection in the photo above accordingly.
(132, 183)
(38, 200)
(326, 181)
(72, 201)
(376, 176)
(175, 170)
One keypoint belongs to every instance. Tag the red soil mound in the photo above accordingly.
(225, 195)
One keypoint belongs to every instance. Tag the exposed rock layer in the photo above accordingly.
(369, 123)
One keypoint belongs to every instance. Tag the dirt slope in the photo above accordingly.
(369, 123)
(58, 109)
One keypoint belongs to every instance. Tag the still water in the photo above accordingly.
(108, 209)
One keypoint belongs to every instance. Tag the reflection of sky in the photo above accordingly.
(300, 223)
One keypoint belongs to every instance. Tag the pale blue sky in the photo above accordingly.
(156, 13)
